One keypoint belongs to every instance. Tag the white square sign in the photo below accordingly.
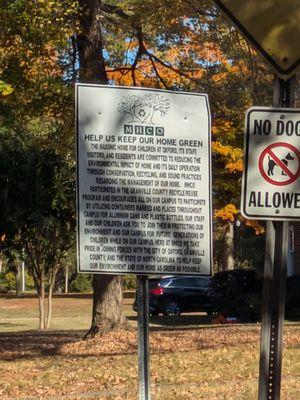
(271, 179)
(143, 181)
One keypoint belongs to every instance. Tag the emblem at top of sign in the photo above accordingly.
(144, 108)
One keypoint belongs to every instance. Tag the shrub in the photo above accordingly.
(237, 294)
(29, 282)
(7, 282)
(82, 283)
(129, 282)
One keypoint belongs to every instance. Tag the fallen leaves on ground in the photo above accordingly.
(185, 364)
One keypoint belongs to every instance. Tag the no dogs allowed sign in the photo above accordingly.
(271, 179)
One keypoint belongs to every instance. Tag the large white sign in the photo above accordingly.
(271, 180)
(144, 181)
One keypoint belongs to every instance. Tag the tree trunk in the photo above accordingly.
(107, 304)
(49, 308)
(108, 294)
(228, 248)
(18, 276)
(89, 43)
(42, 302)
(50, 295)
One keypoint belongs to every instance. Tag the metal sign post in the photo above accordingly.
(274, 287)
(273, 311)
(143, 337)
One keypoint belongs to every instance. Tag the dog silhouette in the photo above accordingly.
(272, 164)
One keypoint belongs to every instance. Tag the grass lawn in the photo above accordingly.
(192, 361)
(69, 312)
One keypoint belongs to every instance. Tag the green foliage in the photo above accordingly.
(237, 294)
(29, 282)
(82, 283)
(249, 248)
(7, 282)
(5, 89)
(129, 282)
(38, 191)
(37, 203)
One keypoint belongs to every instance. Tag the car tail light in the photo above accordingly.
(158, 291)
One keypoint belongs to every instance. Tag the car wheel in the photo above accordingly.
(171, 308)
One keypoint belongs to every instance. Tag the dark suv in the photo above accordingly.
(172, 295)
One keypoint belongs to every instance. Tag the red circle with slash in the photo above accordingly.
(268, 152)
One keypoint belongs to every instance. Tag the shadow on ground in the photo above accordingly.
(9, 325)
(184, 321)
(35, 344)
(31, 344)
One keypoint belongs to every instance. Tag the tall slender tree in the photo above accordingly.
(37, 205)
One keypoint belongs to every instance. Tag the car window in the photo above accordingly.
(193, 282)
(165, 282)
(203, 283)
(180, 282)
(190, 282)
